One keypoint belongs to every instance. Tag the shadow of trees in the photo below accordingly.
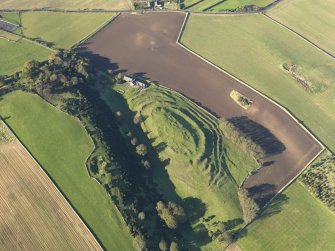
(258, 134)
(275, 207)
(262, 193)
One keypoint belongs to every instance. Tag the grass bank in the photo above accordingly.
(61, 29)
(320, 31)
(61, 145)
(15, 54)
(294, 221)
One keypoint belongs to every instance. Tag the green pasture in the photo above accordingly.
(15, 54)
(66, 4)
(254, 48)
(294, 221)
(61, 145)
(197, 157)
(314, 20)
(62, 29)
(12, 17)
(219, 5)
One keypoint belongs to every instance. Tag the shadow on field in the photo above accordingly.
(258, 134)
(97, 60)
(275, 207)
(262, 193)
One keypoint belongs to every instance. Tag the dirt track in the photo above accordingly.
(146, 44)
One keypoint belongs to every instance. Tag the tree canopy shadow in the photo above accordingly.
(262, 193)
(258, 134)
(194, 208)
(275, 206)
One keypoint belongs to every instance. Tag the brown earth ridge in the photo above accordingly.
(146, 44)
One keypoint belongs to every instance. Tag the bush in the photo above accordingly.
(141, 150)
(137, 119)
(134, 141)
(162, 245)
(174, 246)
(172, 214)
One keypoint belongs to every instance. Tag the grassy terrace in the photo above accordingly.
(254, 48)
(62, 30)
(68, 5)
(202, 165)
(61, 145)
(296, 220)
(319, 30)
(219, 5)
(15, 54)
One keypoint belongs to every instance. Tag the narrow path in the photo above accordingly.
(146, 44)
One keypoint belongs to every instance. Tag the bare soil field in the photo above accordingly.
(34, 214)
(146, 44)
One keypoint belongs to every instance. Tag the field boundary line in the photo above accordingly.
(53, 183)
(323, 147)
(93, 33)
(301, 36)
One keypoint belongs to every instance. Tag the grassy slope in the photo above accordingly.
(182, 133)
(302, 224)
(253, 48)
(225, 5)
(66, 4)
(319, 30)
(14, 55)
(61, 145)
(62, 29)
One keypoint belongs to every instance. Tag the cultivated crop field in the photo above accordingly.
(255, 49)
(294, 221)
(15, 54)
(319, 30)
(201, 163)
(62, 30)
(61, 145)
(33, 210)
(67, 5)
(217, 5)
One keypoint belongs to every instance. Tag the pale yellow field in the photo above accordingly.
(66, 4)
(33, 213)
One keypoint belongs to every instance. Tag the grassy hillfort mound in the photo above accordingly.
(61, 145)
(320, 31)
(201, 163)
(274, 61)
(67, 5)
(62, 30)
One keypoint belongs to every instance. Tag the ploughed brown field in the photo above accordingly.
(146, 44)
(34, 214)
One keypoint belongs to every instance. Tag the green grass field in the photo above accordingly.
(15, 54)
(12, 17)
(302, 223)
(254, 48)
(199, 160)
(61, 145)
(218, 5)
(304, 17)
(63, 30)
(67, 5)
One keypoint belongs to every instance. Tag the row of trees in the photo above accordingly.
(244, 142)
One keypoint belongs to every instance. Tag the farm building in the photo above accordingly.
(6, 26)
(134, 81)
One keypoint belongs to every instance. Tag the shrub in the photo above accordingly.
(162, 245)
(141, 150)
(174, 246)
(172, 214)
(137, 119)
(134, 141)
